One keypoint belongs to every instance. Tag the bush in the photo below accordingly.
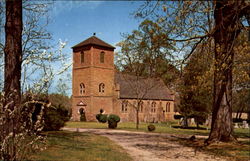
(177, 117)
(113, 120)
(237, 120)
(199, 120)
(101, 118)
(151, 127)
(55, 118)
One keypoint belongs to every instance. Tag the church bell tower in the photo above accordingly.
(92, 78)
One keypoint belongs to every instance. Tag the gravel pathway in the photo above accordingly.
(144, 146)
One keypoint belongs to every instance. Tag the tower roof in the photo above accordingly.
(93, 40)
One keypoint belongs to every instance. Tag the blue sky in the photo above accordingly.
(75, 21)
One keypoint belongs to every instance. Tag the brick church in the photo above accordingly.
(96, 85)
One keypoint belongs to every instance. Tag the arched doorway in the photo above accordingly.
(82, 114)
(82, 110)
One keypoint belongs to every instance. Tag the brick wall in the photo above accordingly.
(92, 72)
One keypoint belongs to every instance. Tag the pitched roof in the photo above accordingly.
(132, 87)
(93, 40)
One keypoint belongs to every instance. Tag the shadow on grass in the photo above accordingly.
(67, 140)
(191, 128)
(238, 151)
(242, 135)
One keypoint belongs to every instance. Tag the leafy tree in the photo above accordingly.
(198, 77)
(196, 87)
(55, 118)
(60, 100)
(189, 23)
(143, 54)
(241, 75)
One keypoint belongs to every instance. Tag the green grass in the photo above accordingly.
(166, 127)
(238, 151)
(75, 146)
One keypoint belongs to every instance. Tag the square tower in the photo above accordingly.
(92, 78)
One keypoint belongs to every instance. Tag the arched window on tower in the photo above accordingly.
(82, 57)
(102, 57)
(82, 89)
(101, 87)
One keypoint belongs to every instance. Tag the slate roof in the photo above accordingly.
(144, 88)
(93, 40)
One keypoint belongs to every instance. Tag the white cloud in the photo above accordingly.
(65, 6)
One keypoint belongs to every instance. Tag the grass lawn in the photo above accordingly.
(75, 146)
(239, 151)
(166, 127)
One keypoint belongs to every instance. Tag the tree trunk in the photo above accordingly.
(13, 50)
(137, 118)
(227, 30)
(12, 72)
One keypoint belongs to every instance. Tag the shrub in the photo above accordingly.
(20, 127)
(101, 118)
(55, 118)
(237, 120)
(151, 127)
(200, 118)
(98, 116)
(113, 120)
(177, 117)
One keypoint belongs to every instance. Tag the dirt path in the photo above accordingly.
(151, 146)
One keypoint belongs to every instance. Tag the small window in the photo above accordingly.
(124, 106)
(168, 107)
(153, 106)
(102, 57)
(101, 87)
(141, 106)
(82, 57)
(82, 89)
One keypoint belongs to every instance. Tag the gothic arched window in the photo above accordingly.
(168, 107)
(124, 106)
(141, 106)
(101, 87)
(102, 57)
(82, 89)
(153, 106)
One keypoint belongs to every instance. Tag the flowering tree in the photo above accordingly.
(25, 54)
(42, 60)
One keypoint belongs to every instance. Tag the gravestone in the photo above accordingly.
(192, 121)
(181, 121)
(236, 126)
(208, 121)
(245, 125)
